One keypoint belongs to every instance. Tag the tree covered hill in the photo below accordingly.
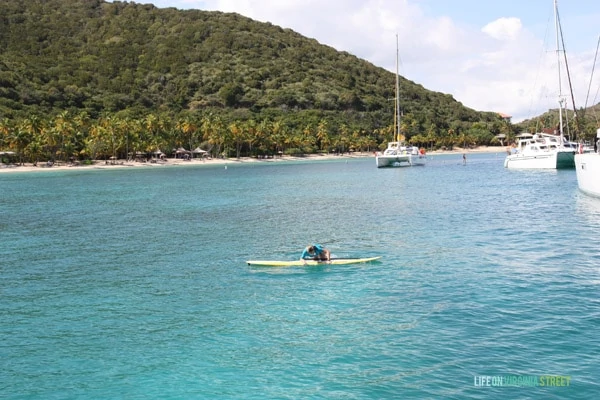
(130, 60)
(576, 126)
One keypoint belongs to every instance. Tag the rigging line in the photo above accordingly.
(592, 75)
(538, 100)
(562, 39)
(594, 109)
(397, 118)
(577, 127)
(595, 97)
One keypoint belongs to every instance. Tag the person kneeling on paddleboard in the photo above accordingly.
(316, 252)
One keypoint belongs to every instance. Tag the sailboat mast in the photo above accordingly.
(560, 97)
(397, 116)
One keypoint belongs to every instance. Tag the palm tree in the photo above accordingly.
(5, 128)
(262, 137)
(188, 127)
(323, 139)
(249, 128)
(355, 140)
(278, 135)
(64, 130)
(307, 140)
(81, 123)
(20, 139)
(342, 141)
(133, 137)
(156, 128)
(27, 130)
(212, 132)
(34, 150)
(109, 132)
(430, 137)
(238, 136)
(97, 144)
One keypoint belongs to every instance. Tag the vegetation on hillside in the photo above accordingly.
(576, 126)
(91, 79)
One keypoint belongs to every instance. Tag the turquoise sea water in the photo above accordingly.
(133, 283)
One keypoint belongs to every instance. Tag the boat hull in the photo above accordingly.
(387, 161)
(587, 167)
(541, 160)
(335, 261)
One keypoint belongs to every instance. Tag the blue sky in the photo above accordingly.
(490, 55)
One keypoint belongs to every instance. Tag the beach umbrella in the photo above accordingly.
(198, 150)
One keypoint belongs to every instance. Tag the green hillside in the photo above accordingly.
(168, 78)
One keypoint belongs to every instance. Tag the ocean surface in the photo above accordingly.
(133, 283)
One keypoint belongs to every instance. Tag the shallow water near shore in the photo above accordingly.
(132, 283)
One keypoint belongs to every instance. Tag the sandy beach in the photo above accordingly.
(172, 162)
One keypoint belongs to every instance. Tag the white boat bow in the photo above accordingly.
(587, 167)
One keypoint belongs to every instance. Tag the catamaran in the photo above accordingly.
(398, 153)
(542, 151)
(546, 151)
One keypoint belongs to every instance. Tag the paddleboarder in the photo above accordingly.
(316, 252)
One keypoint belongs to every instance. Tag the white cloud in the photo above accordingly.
(503, 28)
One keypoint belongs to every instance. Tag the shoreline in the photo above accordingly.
(173, 162)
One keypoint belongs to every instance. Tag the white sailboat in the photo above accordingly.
(398, 153)
(546, 151)
(587, 167)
